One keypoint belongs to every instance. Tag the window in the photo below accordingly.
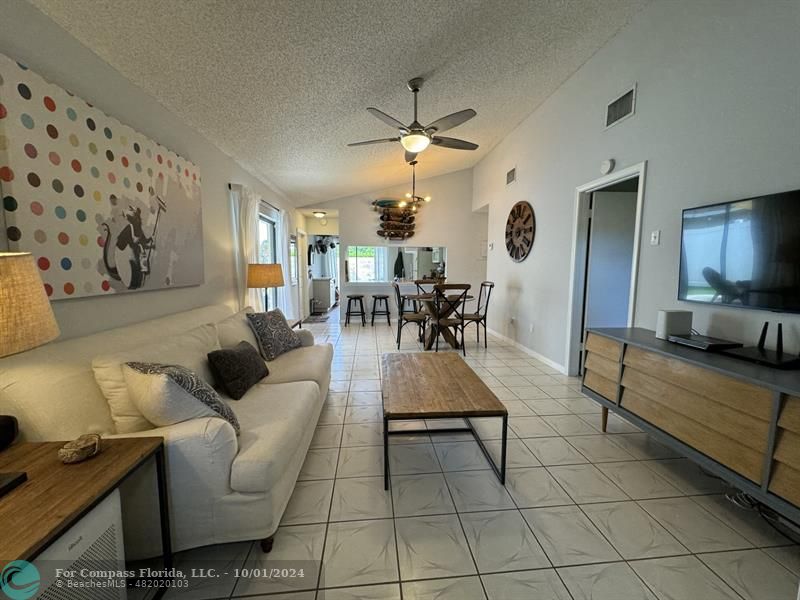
(367, 263)
(267, 253)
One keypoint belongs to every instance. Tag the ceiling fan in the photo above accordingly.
(414, 137)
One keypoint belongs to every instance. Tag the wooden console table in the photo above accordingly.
(738, 420)
(56, 496)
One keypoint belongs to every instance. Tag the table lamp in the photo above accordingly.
(264, 276)
(26, 321)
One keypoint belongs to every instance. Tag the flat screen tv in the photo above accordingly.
(744, 253)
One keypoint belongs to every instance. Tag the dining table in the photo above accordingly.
(427, 303)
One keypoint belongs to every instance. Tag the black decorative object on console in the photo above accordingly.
(777, 358)
(703, 342)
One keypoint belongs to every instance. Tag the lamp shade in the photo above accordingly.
(264, 276)
(26, 318)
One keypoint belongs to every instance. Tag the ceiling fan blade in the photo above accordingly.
(391, 121)
(410, 156)
(448, 142)
(380, 141)
(450, 121)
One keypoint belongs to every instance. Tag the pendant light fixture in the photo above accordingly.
(412, 199)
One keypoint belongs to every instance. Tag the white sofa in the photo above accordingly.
(222, 488)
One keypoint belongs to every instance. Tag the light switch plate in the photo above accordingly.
(655, 237)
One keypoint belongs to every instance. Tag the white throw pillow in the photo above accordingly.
(235, 329)
(188, 349)
(169, 394)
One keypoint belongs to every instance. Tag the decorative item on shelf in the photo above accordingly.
(520, 231)
(264, 276)
(26, 321)
(104, 209)
(79, 450)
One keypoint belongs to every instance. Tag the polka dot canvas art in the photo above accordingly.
(103, 209)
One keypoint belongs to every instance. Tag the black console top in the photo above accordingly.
(787, 382)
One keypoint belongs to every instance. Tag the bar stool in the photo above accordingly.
(355, 301)
(377, 300)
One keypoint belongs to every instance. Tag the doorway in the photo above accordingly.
(605, 252)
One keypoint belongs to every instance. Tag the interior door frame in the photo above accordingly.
(580, 246)
(302, 272)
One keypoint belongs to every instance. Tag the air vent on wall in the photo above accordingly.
(621, 107)
(511, 176)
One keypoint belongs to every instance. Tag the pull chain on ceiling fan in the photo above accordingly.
(415, 138)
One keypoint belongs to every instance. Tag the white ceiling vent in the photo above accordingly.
(621, 107)
(511, 176)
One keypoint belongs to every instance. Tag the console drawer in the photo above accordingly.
(730, 452)
(785, 480)
(734, 393)
(604, 346)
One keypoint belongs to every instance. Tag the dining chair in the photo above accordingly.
(421, 283)
(449, 300)
(404, 318)
(479, 316)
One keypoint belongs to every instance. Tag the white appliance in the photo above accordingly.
(673, 322)
(93, 543)
(324, 293)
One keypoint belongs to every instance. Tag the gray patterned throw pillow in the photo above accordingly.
(273, 333)
(169, 394)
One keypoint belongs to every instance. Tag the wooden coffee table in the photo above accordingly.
(437, 386)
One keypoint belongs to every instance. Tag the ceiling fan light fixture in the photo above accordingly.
(416, 141)
(319, 214)
(427, 198)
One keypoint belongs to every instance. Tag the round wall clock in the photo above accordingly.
(520, 231)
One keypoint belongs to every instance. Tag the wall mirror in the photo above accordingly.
(379, 264)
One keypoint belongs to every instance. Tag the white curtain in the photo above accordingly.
(245, 215)
(287, 292)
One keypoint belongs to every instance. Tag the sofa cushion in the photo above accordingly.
(237, 369)
(169, 394)
(188, 349)
(273, 333)
(235, 329)
(309, 363)
(273, 418)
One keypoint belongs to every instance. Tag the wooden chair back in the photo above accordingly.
(483, 297)
(421, 283)
(398, 298)
(451, 296)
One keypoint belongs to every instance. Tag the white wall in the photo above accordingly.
(717, 118)
(314, 227)
(30, 37)
(446, 221)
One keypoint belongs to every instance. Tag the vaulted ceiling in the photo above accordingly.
(282, 85)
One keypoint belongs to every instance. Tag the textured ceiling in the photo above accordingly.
(282, 85)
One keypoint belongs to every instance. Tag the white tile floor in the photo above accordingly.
(584, 515)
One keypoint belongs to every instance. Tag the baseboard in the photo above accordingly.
(540, 357)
